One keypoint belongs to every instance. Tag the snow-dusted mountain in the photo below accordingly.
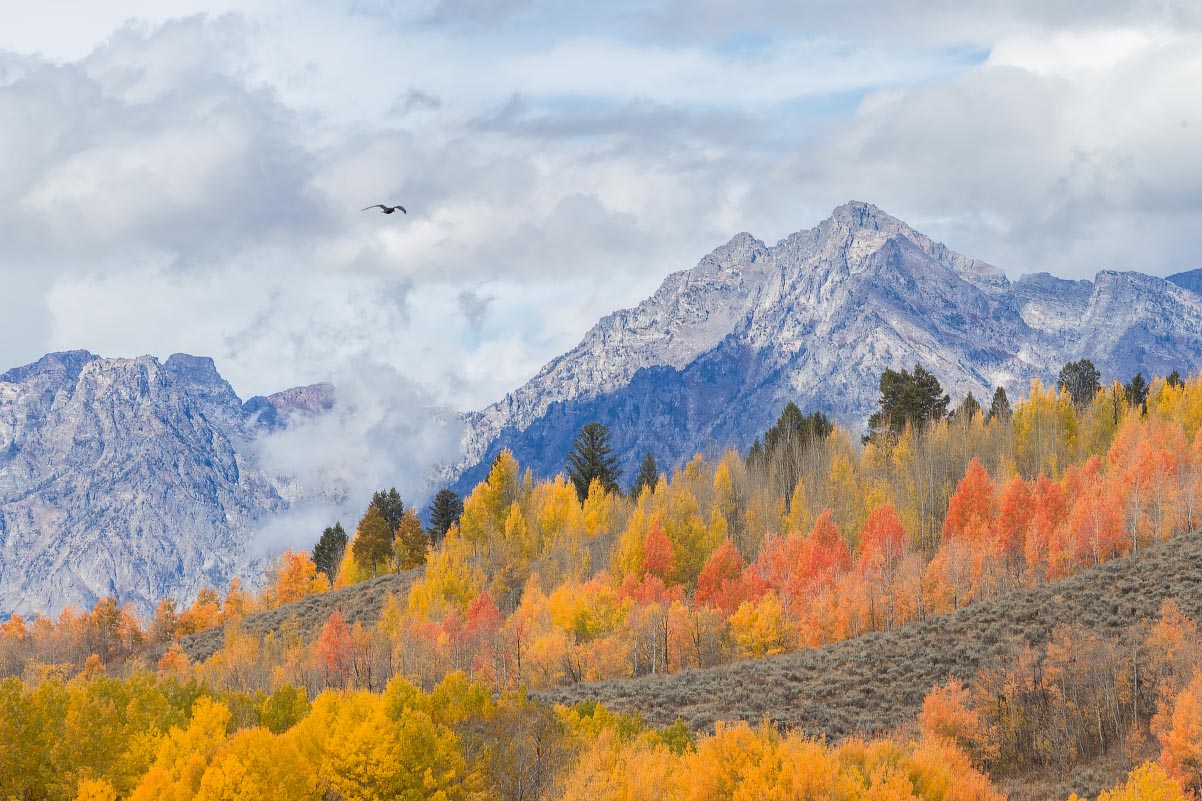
(715, 353)
(130, 477)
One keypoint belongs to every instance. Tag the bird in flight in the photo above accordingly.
(387, 209)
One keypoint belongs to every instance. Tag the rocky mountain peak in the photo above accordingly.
(856, 214)
(64, 366)
(130, 476)
(1191, 280)
(742, 251)
(711, 358)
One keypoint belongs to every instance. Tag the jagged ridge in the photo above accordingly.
(130, 477)
(710, 359)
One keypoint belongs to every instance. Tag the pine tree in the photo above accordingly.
(1137, 391)
(445, 510)
(915, 398)
(648, 476)
(967, 409)
(327, 553)
(1174, 379)
(373, 540)
(591, 458)
(390, 505)
(796, 429)
(999, 409)
(1082, 380)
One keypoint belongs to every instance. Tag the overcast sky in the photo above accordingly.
(182, 175)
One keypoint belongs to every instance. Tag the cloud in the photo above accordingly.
(384, 431)
(474, 308)
(1070, 153)
(450, 13)
(414, 101)
(977, 23)
(184, 183)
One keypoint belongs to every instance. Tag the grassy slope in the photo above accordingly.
(360, 603)
(876, 683)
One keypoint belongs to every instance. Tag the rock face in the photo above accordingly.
(130, 477)
(713, 356)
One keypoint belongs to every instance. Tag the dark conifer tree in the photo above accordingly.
(1137, 391)
(780, 455)
(390, 505)
(999, 409)
(592, 458)
(795, 429)
(1174, 379)
(915, 398)
(967, 409)
(373, 545)
(648, 476)
(327, 553)
(1081, 379)
(445, 511)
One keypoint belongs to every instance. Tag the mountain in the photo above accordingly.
(131, 477)
(710, 359)
(1191, 280)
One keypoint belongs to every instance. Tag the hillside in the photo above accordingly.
(709, 360)
(876, 682)
(359, 603)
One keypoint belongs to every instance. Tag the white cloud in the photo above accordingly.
(1071, 154)
(194, 183)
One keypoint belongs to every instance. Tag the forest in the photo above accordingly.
(814, 536)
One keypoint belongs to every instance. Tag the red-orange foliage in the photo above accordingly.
(723, 584)
(334, 649)
(1178, 726)
(1093, 529)
(1013, 518)
(948, 714)
(658, 557)
(797, 568)
(882, 540)
(971, 510)
(1049, 508)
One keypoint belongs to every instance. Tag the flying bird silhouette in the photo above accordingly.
(386, 209)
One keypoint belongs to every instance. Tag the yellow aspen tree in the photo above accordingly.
(258, 766)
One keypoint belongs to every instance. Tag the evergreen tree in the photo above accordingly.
(591, 458)
(1081, 379)
(999, 409)
(445, 511)
(412, 544)
(327, 553)
(372, 547)
(967, 409)
(793, 428)
(390, 505)
(781, 453)
(648, 476)
(1137, 391)
(915, 398)
(1174, 380)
